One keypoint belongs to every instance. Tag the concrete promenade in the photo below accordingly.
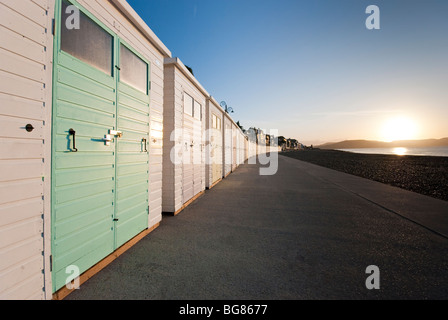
(305, 233)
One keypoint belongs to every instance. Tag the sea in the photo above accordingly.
(401, 151)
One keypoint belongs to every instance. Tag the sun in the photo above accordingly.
(399, 128)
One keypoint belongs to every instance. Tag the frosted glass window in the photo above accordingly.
(133, 70)
(218, 124)
(90, 43)
(214, 122)
(188, 105)
(197, 110)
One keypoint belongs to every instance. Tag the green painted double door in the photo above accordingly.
(99, 145)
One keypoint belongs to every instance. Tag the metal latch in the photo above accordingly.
(119, 134)
(107, 139)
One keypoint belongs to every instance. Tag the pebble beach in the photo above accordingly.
(426, 175)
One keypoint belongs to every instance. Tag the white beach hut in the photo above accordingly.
(227, 146)
(214, 142)
(80, 140)
(233, 147)
(184, 137)
(242, 148)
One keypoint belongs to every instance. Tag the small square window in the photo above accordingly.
(188, 105)
(197, 111)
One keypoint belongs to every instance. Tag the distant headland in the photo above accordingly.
(356, 144)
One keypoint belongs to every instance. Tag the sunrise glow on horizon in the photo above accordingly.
(399, 128)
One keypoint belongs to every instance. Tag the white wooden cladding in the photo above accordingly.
(231, 149)
(184, 137)
(228, 137)
(214, 142)
(26, 51)
(25, 99)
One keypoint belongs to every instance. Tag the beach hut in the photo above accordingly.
(246, 147)
(184, 139)
(25, 99)
(234, 146)
(214, 142)
(234, 137)
(81, 128)
(239, 147)
(243, 140)
(256, 145)
(227, 146)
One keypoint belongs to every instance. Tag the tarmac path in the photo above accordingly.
(306, 232)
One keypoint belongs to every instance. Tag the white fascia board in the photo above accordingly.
(138, 22)
(179, 65)
(213, 100)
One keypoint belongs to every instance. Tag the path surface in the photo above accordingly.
(305, 233)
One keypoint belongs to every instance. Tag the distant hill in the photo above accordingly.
(357, 144)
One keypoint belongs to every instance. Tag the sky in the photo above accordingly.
(311, 69)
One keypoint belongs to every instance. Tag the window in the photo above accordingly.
(90, 43)
(197, 111)
(133, 70)
(216, 122)
(188, 105)
(192, 107)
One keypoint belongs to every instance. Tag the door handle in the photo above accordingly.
(29, 127)
(144, 145)
(73, 133)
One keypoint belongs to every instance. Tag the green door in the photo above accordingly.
(132, 161)
(99, 144)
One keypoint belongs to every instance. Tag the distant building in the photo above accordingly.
(292, 144)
